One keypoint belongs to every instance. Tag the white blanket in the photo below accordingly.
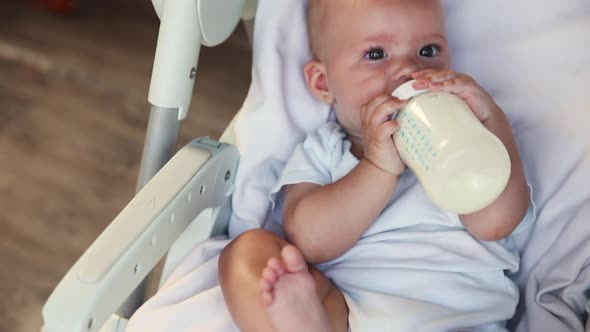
(531, 55)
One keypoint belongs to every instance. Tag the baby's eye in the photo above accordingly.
(375, 54)
(429, 51)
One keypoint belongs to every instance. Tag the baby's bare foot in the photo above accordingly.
(288, 292)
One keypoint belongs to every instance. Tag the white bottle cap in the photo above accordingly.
(407, 91)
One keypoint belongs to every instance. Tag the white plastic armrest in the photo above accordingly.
(198, 177)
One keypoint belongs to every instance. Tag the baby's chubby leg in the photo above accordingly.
(241, 267)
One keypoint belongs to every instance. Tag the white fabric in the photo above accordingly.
(411, 249)
(532, 55)
(191, 299)
(270, 122)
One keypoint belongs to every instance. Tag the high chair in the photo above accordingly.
(182, 198)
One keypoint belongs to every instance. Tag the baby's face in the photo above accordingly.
(370, 47)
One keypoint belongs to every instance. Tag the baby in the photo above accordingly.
(382, 256)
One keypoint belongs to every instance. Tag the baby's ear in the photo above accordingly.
(317, 81)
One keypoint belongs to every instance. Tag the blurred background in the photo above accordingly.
(74, 79)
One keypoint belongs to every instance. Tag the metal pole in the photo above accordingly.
(160, 145)
(160, 142)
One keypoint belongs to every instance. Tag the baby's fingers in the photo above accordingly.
(432, 78)
(368, 109)
(384, 112)
(461, 86)
(422, 72)
(386, 130)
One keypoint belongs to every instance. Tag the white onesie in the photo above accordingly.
(416, 268)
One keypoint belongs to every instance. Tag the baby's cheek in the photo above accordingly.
(375, 89)
(360, 88)
(439, 64)
(443, 62)
(372, 81)
(352, 99)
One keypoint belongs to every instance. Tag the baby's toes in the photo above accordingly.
(276, 265)
(270, 275)
(265, 285)
(266, 297)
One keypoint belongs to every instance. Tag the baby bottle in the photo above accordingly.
(462, 166)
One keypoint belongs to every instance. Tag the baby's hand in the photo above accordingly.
(378, 128)
(480, 102)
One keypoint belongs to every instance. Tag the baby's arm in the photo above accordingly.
(325, 221)
(499, 219)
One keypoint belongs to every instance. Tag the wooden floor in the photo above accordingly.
(73, 113)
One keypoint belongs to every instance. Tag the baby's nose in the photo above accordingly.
(405, 68)
(404, 78)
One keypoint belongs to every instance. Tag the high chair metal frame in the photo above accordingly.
(182, 199)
